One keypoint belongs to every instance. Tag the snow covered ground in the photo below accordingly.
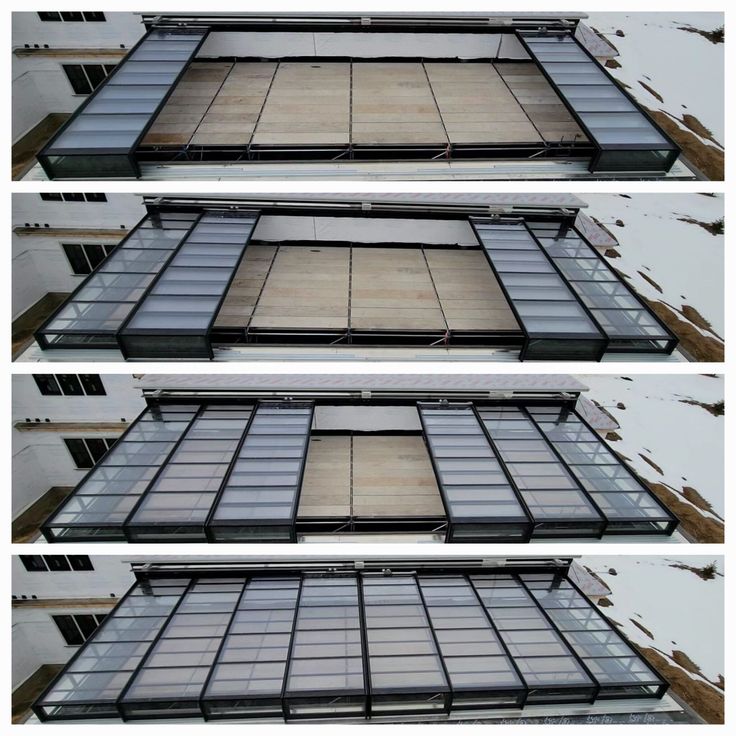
(685, 69)
(682, 611)
(685, 441)
(684, 259)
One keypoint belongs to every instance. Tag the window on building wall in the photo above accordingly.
(88, 450)
(73, 197)
(56, 563)
(85, 257)
(77, 628)
(69, 384)
(85, 78)
(72, 17)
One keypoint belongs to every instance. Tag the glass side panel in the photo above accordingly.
(107, 296)
(611, 660)
(105, 664)
(618, 493)
(619, 313)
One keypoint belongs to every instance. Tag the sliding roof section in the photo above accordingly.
(617, 667)
(627, 139)
(628, 505)
(556, 501)
(260, 497)
(629, 324)
(102, 501)
(178, 502)
(321, 644)
(556, 324)
(176, 314)
(92, 316)
(100, 139)
(480, 500)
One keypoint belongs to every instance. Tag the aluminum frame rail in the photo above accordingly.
(100, 139)
(294, 644)
(625, 136)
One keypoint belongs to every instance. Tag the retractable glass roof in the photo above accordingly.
(233, 471)
(190, 279)
(586, 117)
(296, 644)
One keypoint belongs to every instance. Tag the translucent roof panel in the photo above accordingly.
(102, 135)
(628, 138)
(96, 310)
(474, 656)
(184, 299)
(249, 670)
(402, 650)
(557, 502)
(477, 492)
(625, 501)
(94, 679)
(326, 659)
(180, 499)
(555, 323)
(260, 497)
(625, 319)
(544, 659)
(314, 643)
(101, 502)
(612, 661)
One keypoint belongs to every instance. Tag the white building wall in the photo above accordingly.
(41, 459)
(36, 640)
(39, 263)
(40, 86)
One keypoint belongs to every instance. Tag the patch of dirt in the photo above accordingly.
(643, 628)
(651, 281)
(651, 91)
(597, 577)
(692, 123)
(700, 347)
(604, 603)
(698, 527)
(652, 463)
(697, 500)
(714, 228)
(707, 572)
(613, 436)
(700, 696)
(717, 409)
(612, 64)
(716, 36)
(709, 160)
(604, 228)
(606, 412)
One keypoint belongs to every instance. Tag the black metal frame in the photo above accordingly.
(601, 149)
(197, 707)
(205, 531)
(128, 153)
